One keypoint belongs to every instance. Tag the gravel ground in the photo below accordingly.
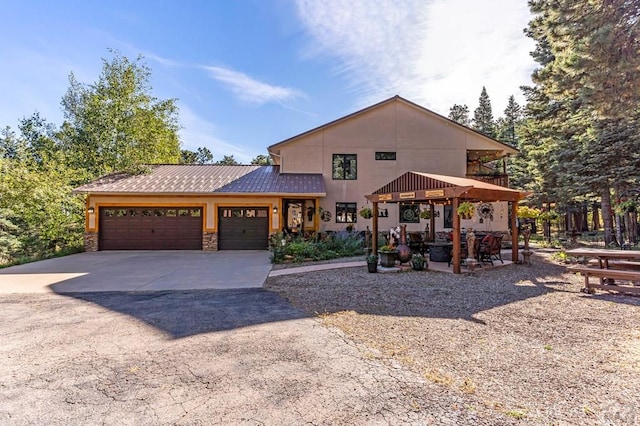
(518, 341)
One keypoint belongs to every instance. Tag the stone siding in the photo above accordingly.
(209, 241)
(90, 241)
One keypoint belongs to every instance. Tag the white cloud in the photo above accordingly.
(198, 132)
(435, 53)
(250, 90)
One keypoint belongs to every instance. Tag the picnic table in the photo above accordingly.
(611, 265)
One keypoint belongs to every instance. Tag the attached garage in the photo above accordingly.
(158, 228)
(194, 207)
(243, 228)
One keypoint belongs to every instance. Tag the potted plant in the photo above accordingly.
(387, 255)
(418, 262)
(425, 214)
(372, 263)
(466, 210)
(366, 212)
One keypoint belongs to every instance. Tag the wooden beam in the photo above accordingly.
(514, 231)
(432, 223)
(456, 236)
(374, 229)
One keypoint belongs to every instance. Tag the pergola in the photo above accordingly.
(440, 189)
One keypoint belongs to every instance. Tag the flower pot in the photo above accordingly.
(387, 259)
(372, 267)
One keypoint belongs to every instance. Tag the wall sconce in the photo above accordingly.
(275, 209)
(91, 210)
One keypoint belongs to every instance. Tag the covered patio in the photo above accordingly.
(435, 189)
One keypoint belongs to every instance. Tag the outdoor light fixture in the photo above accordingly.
(91, 210)
(275, 209)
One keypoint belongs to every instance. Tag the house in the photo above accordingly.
(318, 182)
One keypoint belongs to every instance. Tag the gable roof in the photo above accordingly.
(428, 186)
(275, 147)
(208, 179)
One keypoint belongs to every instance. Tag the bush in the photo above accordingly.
(338, 244)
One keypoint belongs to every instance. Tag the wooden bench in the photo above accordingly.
(607, 274)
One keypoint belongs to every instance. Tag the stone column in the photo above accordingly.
(90, 241)
(209, 241)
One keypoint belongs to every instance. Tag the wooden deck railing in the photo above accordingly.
(501, 180)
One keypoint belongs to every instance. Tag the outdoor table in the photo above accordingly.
(608, 272)
(604, 255)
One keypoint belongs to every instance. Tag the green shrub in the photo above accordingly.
(339, 244)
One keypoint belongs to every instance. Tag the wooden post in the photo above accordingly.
(374, 229)
(432, 224)
(514, 231)
(456, 236)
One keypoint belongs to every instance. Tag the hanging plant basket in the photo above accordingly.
(366, 213)
(466, 210)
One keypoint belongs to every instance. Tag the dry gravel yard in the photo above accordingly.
(522, 342)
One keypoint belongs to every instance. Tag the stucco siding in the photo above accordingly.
(422, 142)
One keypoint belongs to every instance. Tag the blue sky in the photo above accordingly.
(251, 73)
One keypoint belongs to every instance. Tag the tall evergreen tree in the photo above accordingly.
(583, 111)
(506, 126)
(483, 115)
(460, 114)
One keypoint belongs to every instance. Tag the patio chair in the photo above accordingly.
(490, 247)
(416, 243)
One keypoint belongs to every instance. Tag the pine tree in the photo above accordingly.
(460, 114)
(483, 115)
(506, 126)
(583, 117)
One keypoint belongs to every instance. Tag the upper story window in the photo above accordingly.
(345, 166)
(385, 155)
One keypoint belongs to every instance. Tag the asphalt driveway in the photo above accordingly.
(139, 271)
(87, 349)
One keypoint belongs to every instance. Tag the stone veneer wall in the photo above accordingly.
(209, 241)
(90, 241)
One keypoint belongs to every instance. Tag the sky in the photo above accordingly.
(247, 74)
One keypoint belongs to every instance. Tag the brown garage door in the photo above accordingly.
(243, 228)
(158, 228)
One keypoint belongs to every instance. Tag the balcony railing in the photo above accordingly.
(501, 179)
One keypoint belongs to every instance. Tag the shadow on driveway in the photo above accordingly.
(186, 313)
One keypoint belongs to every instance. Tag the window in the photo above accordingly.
(345, 166)
(385, 155)
(409, 213)
(448, 216)
(346, 213)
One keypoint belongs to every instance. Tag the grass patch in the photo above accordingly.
(516, 414)
(439, 378)
(468, 386)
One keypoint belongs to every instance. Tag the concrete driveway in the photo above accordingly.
(139, 271)
(89, 350)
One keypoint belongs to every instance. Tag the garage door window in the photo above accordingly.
(243, 228)
(161, 228)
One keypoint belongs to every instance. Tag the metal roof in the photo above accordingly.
(429, 186)
(207, 179)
